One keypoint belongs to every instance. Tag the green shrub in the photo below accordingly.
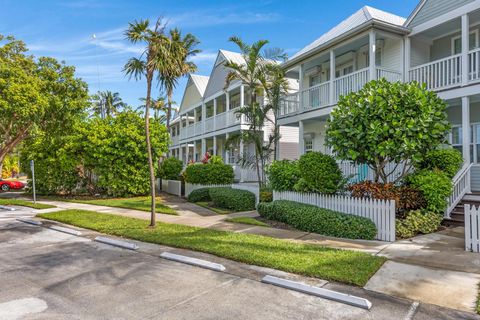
(417, 221)
(233, 199)
(209, 173)
(320, 172)
(435, 186)
(283, 174)
(170, 169)
(202, 194)
(215, 160)
(266, 196)
(314, 219)
(447, 160)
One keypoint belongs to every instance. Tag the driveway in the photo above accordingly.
(46, 274)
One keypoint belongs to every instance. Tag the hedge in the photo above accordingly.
(170, 169)
(418, 221)
(318, 220)
(447, 160)
(202, 194)
(319, 173)
(209, 173)
(233, 199)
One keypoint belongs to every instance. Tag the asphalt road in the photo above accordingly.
(46, 274)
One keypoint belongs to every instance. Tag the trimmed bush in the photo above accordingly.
(417, 221)
(318, 220)
(283, 174)
(320, 172)
(170, 169)
(266, 196)
(233, 199)
(435, 186)
(202, 194)
(447, 160)
(209, 173)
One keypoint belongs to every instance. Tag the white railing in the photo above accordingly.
(209, 124)
(461, 186)
(189, 187)
(316, 96)
(350, 83)
(245, 174)
(172, 186)
(389, 75)
(233, 117)
(474, 65)
(198, 128)
(190, 130)
(439, 74)
(381, 212)
(175, 140)
(472, 228)
(289, 104)
(183, 133)
(220, 121)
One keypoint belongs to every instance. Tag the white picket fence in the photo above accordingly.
(472, 228)
(172, 186)
(253, 188)
(381, 212)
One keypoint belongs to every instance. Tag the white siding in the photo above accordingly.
(191, 96)
(288, 143)
(435, 8)
(475, 178)
(318, 129)
(420, 53)
(392, 54)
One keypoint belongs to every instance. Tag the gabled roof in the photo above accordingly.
(232, 56)
(200, 82)
(363, 16)
(429, 9)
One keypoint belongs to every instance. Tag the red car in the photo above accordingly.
(6, 185)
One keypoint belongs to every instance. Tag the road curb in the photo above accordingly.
(117, 243)
(35, 223)
(193, 261)
(66, 230)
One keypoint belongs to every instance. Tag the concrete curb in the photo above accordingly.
(7, 208)
(117, 243)
(193, 261)
(319, 292)
(66, 230)
(35, 223)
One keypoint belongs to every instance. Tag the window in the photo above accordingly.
(308, 145)
(344, 70)
(457, 139)
(457, 42)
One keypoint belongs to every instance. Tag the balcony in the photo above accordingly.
(318, 96)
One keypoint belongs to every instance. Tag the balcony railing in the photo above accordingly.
(209, 124)
(289, 104)
(389, 75)
(439, 74)
(350, 83)
(474, 65)
(316, 96)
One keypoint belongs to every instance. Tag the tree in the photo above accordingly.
(35, 95)
(387, 122)
(176, 63)
(159, 107)
(253, 73)
(154, 41)
(107, 103)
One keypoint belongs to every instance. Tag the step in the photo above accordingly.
(471, 197)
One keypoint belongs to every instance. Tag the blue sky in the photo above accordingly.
(63, 29)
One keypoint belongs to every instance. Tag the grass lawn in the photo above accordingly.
(136, 203)
(247, 220)
(478, 301)
(350, 267)
(24, 203)
(214, 209)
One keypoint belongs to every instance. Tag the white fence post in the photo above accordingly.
(172, 187)
(472, 228)
(381, 212)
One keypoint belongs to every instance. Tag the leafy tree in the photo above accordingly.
(107, 103)
(387, 122)
(144, 66)
(35, 95)
(252, 73)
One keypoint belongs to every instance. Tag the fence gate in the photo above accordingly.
(472, 228)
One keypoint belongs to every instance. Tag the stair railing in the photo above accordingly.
(461, 186)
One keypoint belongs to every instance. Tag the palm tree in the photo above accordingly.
(107, 103)
(154, 41)
(159, 107)
(251, 73)
(181, 49)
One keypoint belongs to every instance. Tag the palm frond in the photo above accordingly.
(135, 68)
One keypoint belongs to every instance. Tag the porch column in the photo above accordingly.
(406, 69)
(195, 115)
(187, 153)
(371, 55)
(242, 178)
(242, 95)
(301, 86)
(214, 145)
(332, 79)
(227, 151)
(227, 101)
(214, 112)
(465, 48)
(180, 154)
(466, 129)
(194, 151)
(204, 147)
(204, 116)
(301, 141)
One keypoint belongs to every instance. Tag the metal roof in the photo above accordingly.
(362, 16)
(200, 82)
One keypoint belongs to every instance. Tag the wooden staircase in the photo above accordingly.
(458, 214)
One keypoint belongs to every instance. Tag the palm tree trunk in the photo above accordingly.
(169, 107)
(149, 150)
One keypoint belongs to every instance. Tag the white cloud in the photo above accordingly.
(209, 18)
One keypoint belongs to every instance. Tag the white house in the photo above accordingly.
(207, 116)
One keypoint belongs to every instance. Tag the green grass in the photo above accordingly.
(477, 309)
(24, 203)
(136, 203)
(247, 220)
(350, 267)
(214, 209)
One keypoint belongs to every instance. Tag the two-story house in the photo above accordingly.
(208, 116)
